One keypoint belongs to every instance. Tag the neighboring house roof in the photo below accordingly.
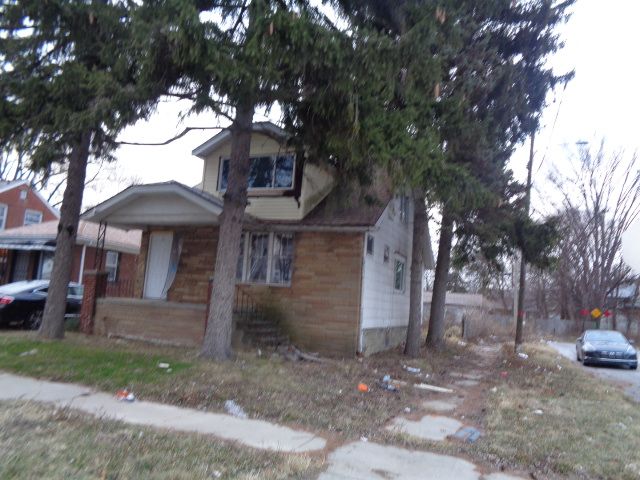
(42, 236)
(6, 185)
(268, 128)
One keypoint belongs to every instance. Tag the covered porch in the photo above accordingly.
(168, 301)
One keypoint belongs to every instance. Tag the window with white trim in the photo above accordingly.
(111, 265)
(32, 216)
(399, 275)
(258, 258)
(3, 215)
(281, 258)
(267, 172)
(265, 258)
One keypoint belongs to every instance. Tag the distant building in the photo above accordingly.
(27, 253)
(21, 205)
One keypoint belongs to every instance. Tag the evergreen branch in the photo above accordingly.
(170, 140)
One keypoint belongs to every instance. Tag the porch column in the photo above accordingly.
(95, 286)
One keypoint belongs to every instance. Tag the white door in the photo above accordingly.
(158, 264)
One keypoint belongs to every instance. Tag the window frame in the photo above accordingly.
(404, 209)
(369, 242)
(31, 211)
(403, 262)
(246, 261)
(274, 157)
(115, 266)
(4, 215)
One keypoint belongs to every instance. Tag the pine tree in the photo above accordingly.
(234, 58)
(71, 80)
(492, 99)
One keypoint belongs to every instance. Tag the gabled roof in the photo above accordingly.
(6, 185)
(268, 128)
(165, 203)
(44, 235)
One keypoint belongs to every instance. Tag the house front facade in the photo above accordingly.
(333, 266)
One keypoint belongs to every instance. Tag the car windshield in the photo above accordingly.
(605, 336)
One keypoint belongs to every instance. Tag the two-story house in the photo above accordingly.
(335, 267)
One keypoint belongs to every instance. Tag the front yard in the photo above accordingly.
(542, 417)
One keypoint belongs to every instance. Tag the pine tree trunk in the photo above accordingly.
(412, 345)
(435, 336)
(217, 337)
(56, 304)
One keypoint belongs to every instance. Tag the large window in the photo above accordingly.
(111, 265)
(273, 172)
(32, 216)
(265, 258)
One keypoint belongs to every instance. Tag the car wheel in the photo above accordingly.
(35, 319)
(633, 367)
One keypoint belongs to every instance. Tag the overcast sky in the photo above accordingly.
(602, 100)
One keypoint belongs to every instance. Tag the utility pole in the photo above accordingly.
(523, 269)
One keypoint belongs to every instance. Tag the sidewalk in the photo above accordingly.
(252, 433)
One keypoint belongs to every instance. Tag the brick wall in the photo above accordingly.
(194, 269)
(17, 206)
(322, 305)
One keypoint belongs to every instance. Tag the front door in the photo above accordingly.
(21, 266)
(158, 260)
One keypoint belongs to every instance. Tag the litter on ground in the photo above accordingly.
(363, 387)
(125, 395)
(432, 388)
(234, 409)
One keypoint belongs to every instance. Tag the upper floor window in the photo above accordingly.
(32, 216)
(3, 216)
(273, 172)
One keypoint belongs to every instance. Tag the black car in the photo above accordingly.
(22, 303)
(606, 347)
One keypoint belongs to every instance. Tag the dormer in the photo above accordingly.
(282, 185)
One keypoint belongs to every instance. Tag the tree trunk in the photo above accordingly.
(412, 345)
(217, 337)
(56, 304)
(435, 336)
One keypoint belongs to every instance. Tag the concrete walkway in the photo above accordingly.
(252, 433)
(371, 461)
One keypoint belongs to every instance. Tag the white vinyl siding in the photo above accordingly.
(384, 305)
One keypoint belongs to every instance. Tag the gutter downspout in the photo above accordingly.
(82, 257)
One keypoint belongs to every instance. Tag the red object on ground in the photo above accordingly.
(362, 387)
(504, 374)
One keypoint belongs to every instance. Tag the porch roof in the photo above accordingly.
(157, 204)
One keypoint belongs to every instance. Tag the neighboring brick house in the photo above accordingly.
(336, 268)
(21, 205)
(29, 250)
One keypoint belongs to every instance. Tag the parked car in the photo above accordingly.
(22, 303)
(606, 347)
